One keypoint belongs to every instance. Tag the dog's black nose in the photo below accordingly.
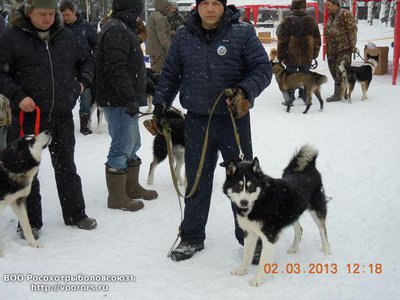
(244, 202)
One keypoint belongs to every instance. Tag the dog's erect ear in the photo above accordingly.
(231, 168)
(255, 166)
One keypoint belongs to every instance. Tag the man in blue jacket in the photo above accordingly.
(213, 51)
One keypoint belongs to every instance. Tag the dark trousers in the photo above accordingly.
(62, 150)
(221, 139)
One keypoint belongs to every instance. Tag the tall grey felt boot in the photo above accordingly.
(133, 188)
(117, 197)
(336, 94)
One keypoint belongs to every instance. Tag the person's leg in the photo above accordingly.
(69, 185)
(85, 111)
(229, 151)
(198, 205)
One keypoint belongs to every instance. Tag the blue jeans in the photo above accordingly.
(125, 137)
(86, 102)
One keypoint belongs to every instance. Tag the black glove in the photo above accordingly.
(132, 109)
(159, 111)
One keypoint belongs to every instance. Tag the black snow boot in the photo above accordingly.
(186, 250)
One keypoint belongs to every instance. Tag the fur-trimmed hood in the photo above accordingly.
(19, 20)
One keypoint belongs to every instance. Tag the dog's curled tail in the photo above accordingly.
(304, 158)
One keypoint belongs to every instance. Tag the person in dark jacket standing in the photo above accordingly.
(121, 90)
(36, 72)
(212, 52)
(341, 40)
(87, 36)
(299, 41)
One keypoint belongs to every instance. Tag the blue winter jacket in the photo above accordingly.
(200, 69)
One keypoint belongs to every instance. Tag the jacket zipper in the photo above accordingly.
(52, 79)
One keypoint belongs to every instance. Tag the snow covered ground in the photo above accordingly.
(359, 160)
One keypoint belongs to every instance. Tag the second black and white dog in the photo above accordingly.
(18, 166)
(362, 74)
(176, 119)
(266, 205)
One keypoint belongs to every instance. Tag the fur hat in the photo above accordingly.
(29, 4)
(121, 5)
(298, 4)
(222, 1)
(337, 2)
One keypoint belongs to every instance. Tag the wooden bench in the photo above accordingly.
(265, 37)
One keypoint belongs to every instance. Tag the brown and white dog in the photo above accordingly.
(310, 81)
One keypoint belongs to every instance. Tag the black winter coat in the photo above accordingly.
(48, 72)
(120, 68)
(200, 67)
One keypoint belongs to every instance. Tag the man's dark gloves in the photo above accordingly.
(237, 102)
(132, 109)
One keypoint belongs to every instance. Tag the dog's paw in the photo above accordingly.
(256, 281)
(326, 250)
(239, 271)
(293, 250)
(35, 245)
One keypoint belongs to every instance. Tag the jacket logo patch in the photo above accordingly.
(221, 50)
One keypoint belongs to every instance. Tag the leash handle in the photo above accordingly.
(21, 122)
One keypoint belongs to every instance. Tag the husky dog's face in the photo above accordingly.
(26, 152)
(242, 184)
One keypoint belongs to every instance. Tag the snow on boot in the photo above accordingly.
(133, 188)
(117, 197)
(186, 250)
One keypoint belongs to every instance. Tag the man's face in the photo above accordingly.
(68, 16)
(210, 12)
(331, 7)
(42, 18)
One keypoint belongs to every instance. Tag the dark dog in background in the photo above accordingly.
(362, 74)
(265, 205)
(18, 166)
(175, 119)
(310, 81)
(152, 78)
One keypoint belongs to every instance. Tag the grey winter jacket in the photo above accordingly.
(201, 68)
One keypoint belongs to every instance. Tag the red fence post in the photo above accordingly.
(396, 46)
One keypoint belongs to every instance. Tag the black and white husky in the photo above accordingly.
(266, 205)
(18, 166)
(176, 119)
(362, 74)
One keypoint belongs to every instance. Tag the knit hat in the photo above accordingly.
(29, 4)
(298, 4)
(222, 1)
(337, 2)
(121, 5)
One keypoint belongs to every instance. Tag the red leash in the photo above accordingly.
(37, 122)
